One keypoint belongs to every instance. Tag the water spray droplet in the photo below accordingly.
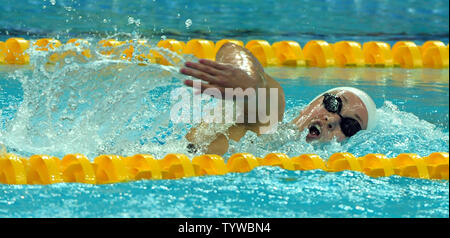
(132, 21)
(188, 23)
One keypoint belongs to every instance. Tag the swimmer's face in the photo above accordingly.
(323, 125)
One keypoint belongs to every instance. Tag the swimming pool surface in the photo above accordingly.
(104, 106)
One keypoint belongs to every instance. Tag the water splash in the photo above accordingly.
(396, 132)
(91, 105)
(106, 105)
(188, 23)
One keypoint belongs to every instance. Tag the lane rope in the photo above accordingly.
(316, 53)
(105, 169)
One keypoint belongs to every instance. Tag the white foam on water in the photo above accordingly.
(89, 105)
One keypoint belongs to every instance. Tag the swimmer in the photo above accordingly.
(337, 113)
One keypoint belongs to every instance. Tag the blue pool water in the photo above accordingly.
(104, 106)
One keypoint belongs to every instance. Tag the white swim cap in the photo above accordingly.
(365, 98)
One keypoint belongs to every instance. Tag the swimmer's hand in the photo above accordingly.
(218, 76)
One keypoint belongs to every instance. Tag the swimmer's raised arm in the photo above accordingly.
(235, 67)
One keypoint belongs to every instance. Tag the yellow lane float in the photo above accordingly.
(142, 166)
(79, 43)
(170, 44)
(43, 169)
(319, 53)
(105, 169)
(378, 54)
(176, 166)
(109, 46)
(278, 159)
(12, 170)
(348, 53)
(200, 48)
(262, 50)
(407, 55)
(12, 51)
(343, 161)
(289, 53)
(76, 168)
(209, 164)
(110, 169)
(242, 163)
(435, 54)
(377, 165)
(316, 53)
(437, 164)
(308, 162)
(410, 165)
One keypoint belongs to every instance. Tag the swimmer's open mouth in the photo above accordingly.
(314, 131)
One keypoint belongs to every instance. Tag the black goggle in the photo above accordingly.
(333, 104)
